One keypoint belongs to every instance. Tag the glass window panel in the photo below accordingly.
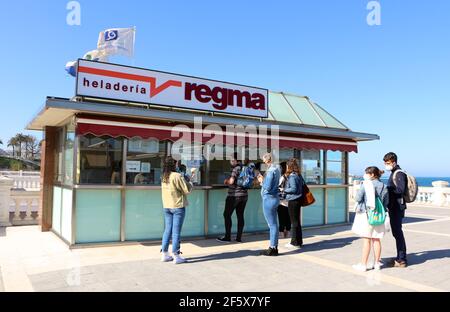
(100, 160)
(59, 157)
(253, 214)
(280, 109)
(56, 211)
(329, 120)
(334, 173)
(314, 214)
(144, 161)
(68, 157)
(337, 210)
(97, 216)
(304, 110)
(66, 214)
(334, 155)
(144, 218)
(312, 166)
(192, 163)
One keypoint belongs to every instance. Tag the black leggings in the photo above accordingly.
(232, 203)
(294, 208)
(283, 218)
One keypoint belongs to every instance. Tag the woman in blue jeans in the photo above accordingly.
(174, 188)
(270, 201)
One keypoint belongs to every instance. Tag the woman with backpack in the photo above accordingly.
(174, 189)
(294, 192)
(372, 191)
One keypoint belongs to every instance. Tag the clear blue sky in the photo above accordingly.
(392, 80)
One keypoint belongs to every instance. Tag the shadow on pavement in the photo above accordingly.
(322, 245)
(422, 257)
(224, 256)
(329, 244)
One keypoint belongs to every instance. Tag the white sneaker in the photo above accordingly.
(376, 266)
(166, 257)
(290, 246)
(178, 259)
(359, 267)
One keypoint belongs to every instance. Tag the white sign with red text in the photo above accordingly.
(117, 82)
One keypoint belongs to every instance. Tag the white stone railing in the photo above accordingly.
(17, 206)
(19, 173)
(437, 195)
(27, 180)
(24, 207)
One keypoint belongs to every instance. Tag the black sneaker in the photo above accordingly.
(269, 252)
(239, 240)
(223, 240)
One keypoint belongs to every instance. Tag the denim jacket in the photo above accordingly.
(294, 186)
(380, 190)
(271, 180)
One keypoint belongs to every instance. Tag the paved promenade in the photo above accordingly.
(34, 261)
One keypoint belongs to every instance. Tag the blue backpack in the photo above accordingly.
(246, 177)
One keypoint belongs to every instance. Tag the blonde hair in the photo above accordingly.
(267, 157)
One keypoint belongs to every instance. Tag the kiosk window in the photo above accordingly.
(100, 160)
(335, 168)
(312, 166)
(144, 161)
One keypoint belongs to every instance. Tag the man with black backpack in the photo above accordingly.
(397, 188)
(236, 200)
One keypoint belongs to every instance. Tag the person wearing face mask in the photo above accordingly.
(371, 235)
(236, 200)
(270, 201)
(396, 187)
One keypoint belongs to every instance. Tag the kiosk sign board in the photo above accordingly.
(131, 84)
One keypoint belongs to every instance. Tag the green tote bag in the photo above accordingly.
(376, 216)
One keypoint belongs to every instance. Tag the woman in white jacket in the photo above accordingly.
(371, 235)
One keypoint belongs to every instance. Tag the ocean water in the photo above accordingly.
(425, 181)
(421, 181)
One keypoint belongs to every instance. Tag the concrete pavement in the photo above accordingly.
(31, 260)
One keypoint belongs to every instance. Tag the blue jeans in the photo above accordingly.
(173, 221)
(270, 209)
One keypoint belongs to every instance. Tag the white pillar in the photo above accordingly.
(5, 194)
(439, 198)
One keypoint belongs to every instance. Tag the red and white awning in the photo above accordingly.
(113, 128)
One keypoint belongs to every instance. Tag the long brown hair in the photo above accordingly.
(169, 166)
(292, 166)
(375, 171)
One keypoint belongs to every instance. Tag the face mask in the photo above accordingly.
(389, 167)
(367, 177)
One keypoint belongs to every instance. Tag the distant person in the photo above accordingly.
(371, 235)
(294, 193)
(396, 186)
(270, 201)
(139, 178)
(116, 172)
(283, 214)
(174, 190)
(236, 200)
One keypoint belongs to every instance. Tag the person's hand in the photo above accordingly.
(225, 181)
(260, 179)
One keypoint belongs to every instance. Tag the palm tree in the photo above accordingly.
(20, 140)
(13, 143)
